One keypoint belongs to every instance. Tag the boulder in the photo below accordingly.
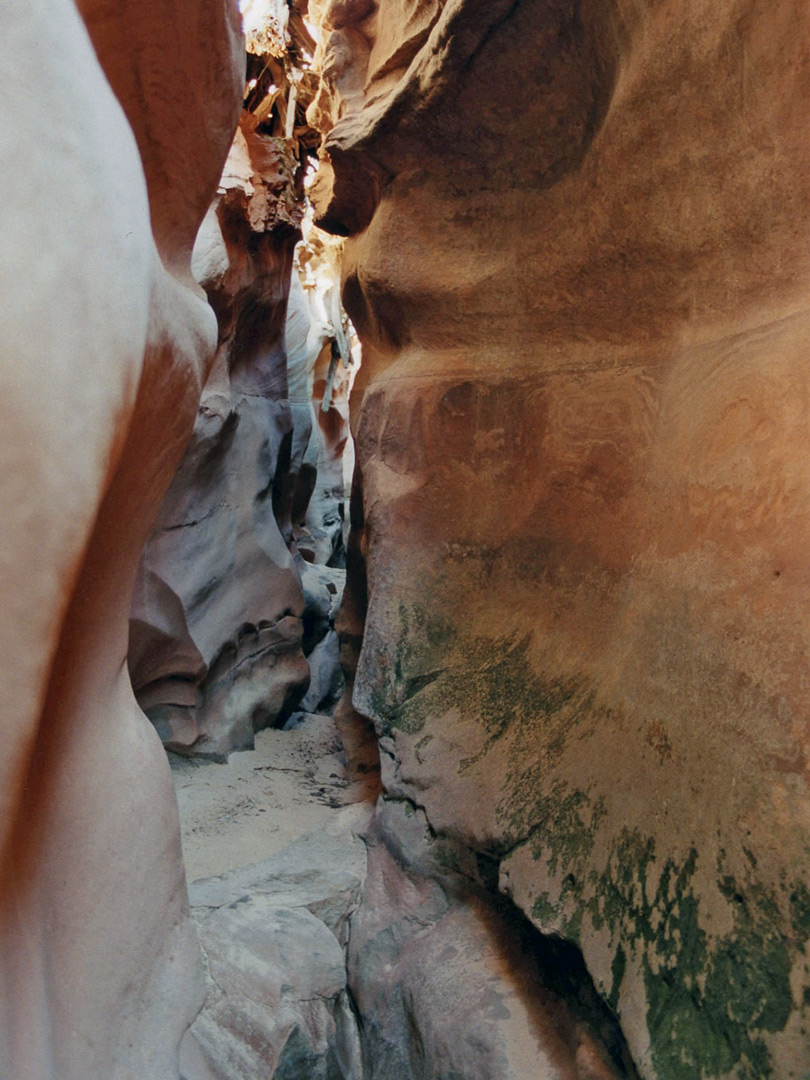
(273, 935)
(449, 985)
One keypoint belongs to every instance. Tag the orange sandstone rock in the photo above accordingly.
(579, 268)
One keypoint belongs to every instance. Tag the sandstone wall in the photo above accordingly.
(110, 150)
(578, 264)
(216, 630)
(231, 625)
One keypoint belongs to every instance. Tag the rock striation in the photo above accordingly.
(448, 982)
(577, 263)
(274, 936)
(106, 342)
(227, 602)
(574, 634)
(338, 958)
(216, 626)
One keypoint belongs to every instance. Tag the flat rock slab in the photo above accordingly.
(322, 872)
(273, 936)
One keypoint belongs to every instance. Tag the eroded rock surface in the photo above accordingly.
(342, 956)
(215, 642)
(579, 268)
(577, 616)
(227, 607)
(273, 935)
(449, 984)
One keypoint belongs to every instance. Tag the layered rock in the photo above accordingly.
(107, 341)
(274, 936)
(449, 983)
(215, 640)
(225, 602)
(578, 266)
(324, 961)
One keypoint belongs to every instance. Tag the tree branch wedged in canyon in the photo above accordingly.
(107, 341)
(578, 264)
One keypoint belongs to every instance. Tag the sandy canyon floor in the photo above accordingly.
(262, 800)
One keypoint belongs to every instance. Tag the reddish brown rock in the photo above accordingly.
(448, 983)
(579, 271)
(226, 599)
(106, 345)
(216, 632)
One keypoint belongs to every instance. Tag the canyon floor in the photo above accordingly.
(262, 800)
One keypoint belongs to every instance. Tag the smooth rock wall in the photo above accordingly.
(579, 269)
(106, 342)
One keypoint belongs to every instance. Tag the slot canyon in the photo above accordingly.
(405, 540)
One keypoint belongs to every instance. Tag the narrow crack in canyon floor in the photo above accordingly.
(296, 893)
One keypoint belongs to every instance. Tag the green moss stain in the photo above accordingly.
(432, 665)
(498, 678)
(566, 826)
(566, 823)
(543, 911)
(561, 820)
(415, 658)
(800, 910)
(617, 970)
(710, 1000)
